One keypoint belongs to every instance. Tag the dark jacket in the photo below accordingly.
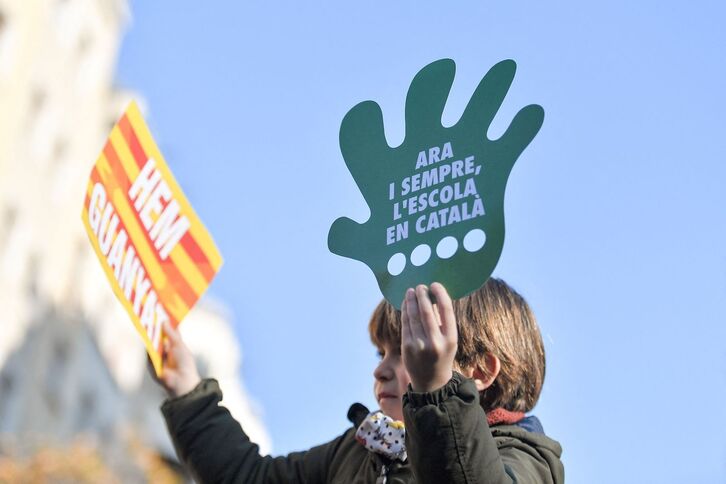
(448, 441)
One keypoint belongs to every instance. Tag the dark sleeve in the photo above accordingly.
(214, 448)
(448, 439)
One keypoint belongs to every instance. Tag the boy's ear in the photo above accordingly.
(484, 377)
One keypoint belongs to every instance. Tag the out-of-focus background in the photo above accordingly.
(76, 400)
(615, 219)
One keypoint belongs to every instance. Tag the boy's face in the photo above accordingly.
(391, 381)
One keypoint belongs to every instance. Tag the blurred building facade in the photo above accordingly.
(70, 359)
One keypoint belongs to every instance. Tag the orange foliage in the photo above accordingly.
(83, 463)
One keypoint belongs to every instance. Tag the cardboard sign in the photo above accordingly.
(437, 200)
(155, 251)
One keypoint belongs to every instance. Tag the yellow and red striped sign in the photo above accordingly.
(155, 251)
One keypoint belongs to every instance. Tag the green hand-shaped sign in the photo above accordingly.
(437, 200)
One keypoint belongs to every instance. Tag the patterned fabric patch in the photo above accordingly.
(381, 434)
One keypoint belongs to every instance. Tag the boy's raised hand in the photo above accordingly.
(428, 337)
(180, 374)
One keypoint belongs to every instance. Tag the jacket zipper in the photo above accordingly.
(383, 477)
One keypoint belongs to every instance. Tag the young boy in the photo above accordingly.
(462, 395)
(470, 389)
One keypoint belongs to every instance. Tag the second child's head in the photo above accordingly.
(499, 345)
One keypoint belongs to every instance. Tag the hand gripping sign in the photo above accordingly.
(437, 200)
(155, 251)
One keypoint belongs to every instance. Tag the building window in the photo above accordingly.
(37, 101)
(14, 244)
(42, 126)
(8, 217)
(88, 62)
(60, 151)
(61, 351)
(32, 289)
(6, 383)
(83, 45)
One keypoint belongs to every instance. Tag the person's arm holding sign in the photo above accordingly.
(448, 438)
(428, 337)
(211, 443)
(180, 375)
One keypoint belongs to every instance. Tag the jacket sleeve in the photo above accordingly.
(214, 448)
(448, 439)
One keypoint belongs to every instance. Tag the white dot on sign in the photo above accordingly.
(420, 255)
(447, 247)
(474, 240)
(396, 264)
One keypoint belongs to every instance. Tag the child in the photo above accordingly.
(470, 426)
(441, 383)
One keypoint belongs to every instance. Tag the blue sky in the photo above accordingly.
(614, 214)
